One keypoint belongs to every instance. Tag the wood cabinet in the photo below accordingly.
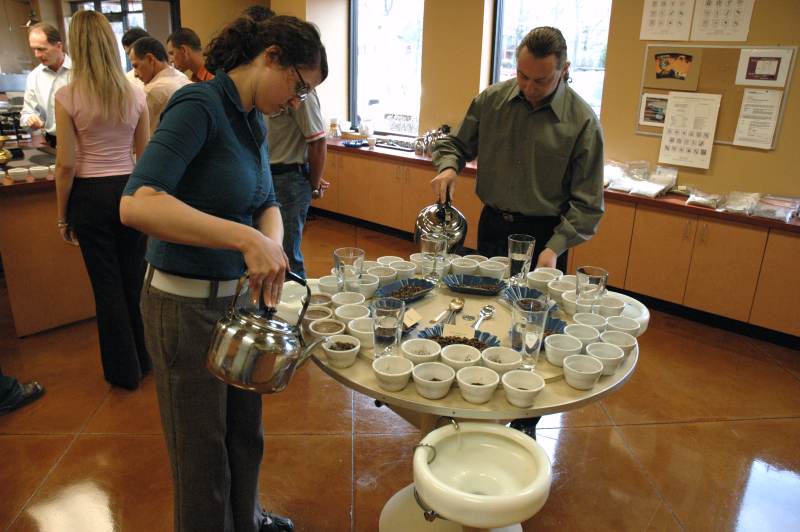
(610, 246)
(726, 260)
(354, 178)
(778, 292)
(661, 251)
(417, 194)
(384, 193)
(330, 201)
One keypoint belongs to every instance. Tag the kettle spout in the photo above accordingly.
(309, 350)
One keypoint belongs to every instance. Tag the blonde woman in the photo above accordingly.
(100, 116)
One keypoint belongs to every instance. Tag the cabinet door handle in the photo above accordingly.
(686, 229)
(703, 233)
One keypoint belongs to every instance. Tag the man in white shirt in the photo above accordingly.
(149, 59)
(130, 37)
(54, 72)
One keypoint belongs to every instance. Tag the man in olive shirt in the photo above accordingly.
(540, 151)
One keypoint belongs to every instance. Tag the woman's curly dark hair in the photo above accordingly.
(242, 40)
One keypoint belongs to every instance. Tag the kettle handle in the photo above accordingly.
(447, 200)
(291, 276)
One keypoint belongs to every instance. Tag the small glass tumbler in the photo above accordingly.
(591, 283)
(387, 324)
(433, 248)
(347, 262)
(520, 254)
(529, 318)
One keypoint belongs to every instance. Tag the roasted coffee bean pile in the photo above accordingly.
(482, 287)
(449, 340)
(341, 346)
(407, 291)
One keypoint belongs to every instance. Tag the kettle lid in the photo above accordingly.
(267, 320)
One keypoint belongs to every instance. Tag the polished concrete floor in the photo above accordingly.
(705, 436)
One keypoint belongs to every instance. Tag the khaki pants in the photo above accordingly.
(213, 431)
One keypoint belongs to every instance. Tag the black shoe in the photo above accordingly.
(526, 426)
(275, 523)
(31, 391)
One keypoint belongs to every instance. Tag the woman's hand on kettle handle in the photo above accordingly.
(446, 180)
(267, 265)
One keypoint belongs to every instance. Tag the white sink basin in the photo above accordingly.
(483, 475)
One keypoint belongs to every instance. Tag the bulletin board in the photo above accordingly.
(711, 69)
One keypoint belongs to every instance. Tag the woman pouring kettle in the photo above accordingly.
(203, 193)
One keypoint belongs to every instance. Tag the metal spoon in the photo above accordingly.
(455, 307)
(486, 313)
(457, 303)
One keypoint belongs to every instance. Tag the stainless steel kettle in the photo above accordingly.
(444, 219)
(257, 350)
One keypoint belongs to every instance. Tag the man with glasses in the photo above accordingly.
(540, 151)
(297, 152)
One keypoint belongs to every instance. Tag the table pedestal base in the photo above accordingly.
(401, 513)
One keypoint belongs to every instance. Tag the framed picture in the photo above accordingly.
(653, 109)
(673, 68)
(763, 67)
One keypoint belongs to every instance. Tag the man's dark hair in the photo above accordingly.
(544, 41)
(258, 13)
(50, 31)
(149, 45)
(185, 36)
(242, 40)
(133, 35)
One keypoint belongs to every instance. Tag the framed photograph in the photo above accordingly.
(653, 109)
(673, 68)
(764, 67)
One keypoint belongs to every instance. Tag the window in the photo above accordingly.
(124, 15)
(584, 24)
(386, 64)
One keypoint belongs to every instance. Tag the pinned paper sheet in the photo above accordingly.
(758, 118)
(722, 20)
(689, 130)
(666, 20)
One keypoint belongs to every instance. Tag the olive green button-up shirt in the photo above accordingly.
(546, 161)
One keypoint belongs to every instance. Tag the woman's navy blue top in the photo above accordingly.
(212, 155)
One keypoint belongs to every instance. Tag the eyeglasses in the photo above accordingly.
(301, 89)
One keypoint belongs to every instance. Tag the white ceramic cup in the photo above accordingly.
(385, 274)
(477, 384)
(347, 298)
(387, 260)
(490, 268)
(341, 358)
(623, 324)
(610, 355)
(361, 328)
(464, 266)
(582, 371)
(553, 271)
(393, 372)
(405, 269)
(328, 284)
(584, 333)
(367, 285)
(557, 347)
(539, 280)
(420, 350)
(476, 258)
(345, 313)
(592, 320)
(624, 340)
(611, 306)
(522, 387)
(501, 359)
(459, 356)
(433, 379)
